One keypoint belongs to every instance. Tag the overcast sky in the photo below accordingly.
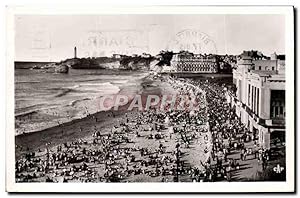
(53, 38)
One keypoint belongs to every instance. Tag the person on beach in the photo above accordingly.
(119, 162)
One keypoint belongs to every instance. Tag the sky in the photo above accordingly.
(53, 37)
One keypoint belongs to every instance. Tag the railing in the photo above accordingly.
(280, 122)
(249, 111)
(257, 119)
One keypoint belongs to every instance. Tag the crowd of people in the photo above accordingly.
(118, 154)
(151, 144)
(229, 135)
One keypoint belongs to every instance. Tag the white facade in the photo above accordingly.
(260, 96)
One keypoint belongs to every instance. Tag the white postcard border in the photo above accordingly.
(287, 186)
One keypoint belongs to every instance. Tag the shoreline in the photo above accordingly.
(38, 139)
(133, 87)
(83, 130)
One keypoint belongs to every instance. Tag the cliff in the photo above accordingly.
(121, 63)
(46, 67)
(62, 68)
(136, 63)
(28, 65)
(94, 63)
(124, 63)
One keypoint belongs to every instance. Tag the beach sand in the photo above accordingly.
(104, 121)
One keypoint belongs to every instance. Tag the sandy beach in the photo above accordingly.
(145, 139)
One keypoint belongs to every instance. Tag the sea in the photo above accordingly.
(43, 100)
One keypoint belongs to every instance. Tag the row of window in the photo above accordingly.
(195, 64)
(266, 68)
(277, 111)
(253, 98)
(196, 69)
(277, 104)
(195, 60)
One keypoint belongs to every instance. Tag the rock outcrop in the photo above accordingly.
(63, 68)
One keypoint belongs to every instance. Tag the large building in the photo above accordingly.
(194, 63)
(259, 99)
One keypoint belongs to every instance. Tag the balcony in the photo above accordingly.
(276, 121)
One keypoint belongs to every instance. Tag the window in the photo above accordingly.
(257, 110)
(239, 90)
(281, 110)
(277, 104)
(254, 100)
(273, 68)
(259, 68)
(252, 97)
(249, 94)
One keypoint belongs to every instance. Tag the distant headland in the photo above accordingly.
(164, 61)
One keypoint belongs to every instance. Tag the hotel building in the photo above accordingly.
(259, 99)
(194, 63)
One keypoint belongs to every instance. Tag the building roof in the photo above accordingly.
(254, 54)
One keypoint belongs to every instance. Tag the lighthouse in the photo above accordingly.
(75, 52)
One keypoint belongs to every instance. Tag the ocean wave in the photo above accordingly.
(27, 110)
(63, 92)
(72, 103)
(74, 87)
(26, 113)
(34, 109)
(98, 89)
(19, 82)
(120, 81)
(96, 84)
(81, 102)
